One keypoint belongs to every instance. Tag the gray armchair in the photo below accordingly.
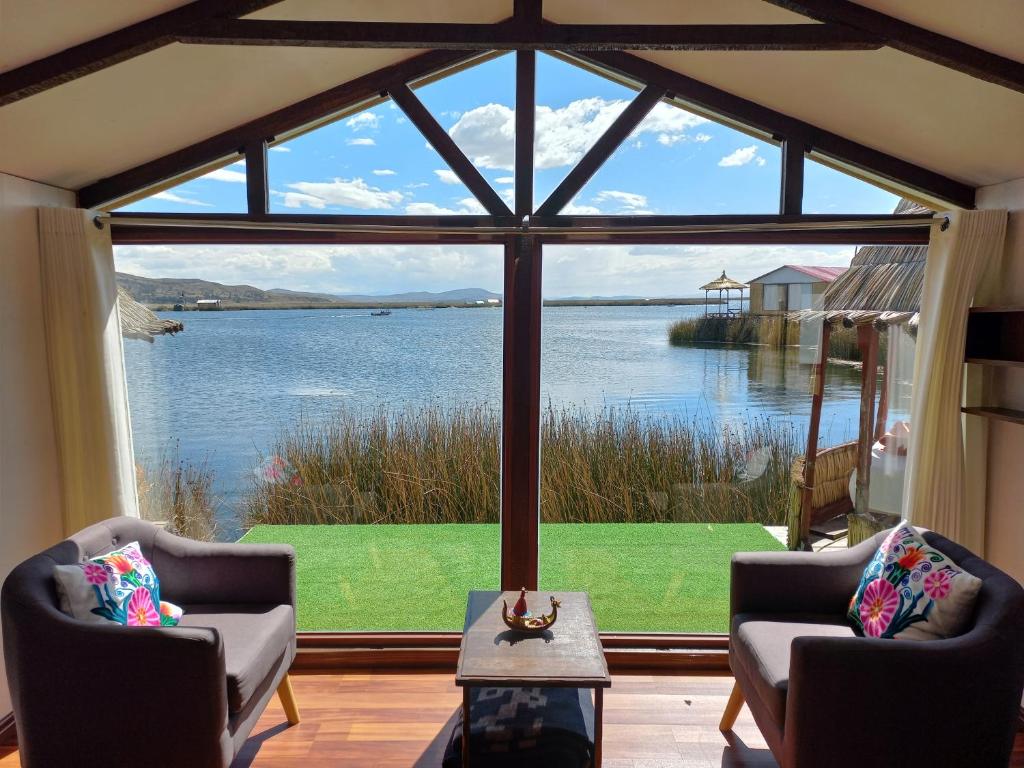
(823, 696)
(95, 694)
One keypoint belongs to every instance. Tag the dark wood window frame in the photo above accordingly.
(522, 235)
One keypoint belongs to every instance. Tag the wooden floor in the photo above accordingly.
(391, 720)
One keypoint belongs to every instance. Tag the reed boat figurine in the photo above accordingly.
(520, 619)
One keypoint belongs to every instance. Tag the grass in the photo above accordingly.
(641, 578)
(441, 465)
(770, 330)
(179, 493)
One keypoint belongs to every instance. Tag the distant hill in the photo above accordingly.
(167, 291)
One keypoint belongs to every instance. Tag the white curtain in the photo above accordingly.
(87, 382)
(933, 495)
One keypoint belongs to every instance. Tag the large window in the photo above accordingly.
(668, 437)
(343, 400)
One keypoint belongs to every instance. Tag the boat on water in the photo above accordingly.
(381, 313)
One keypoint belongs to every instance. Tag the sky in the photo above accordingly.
(675, 162)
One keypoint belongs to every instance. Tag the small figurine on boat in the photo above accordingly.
(521, 620)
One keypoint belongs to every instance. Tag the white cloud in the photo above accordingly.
(741, 156)
(383, 172)
(703, 138)
(505, 180)
(467, 206)
(575, 209)
(760, 161)
(448, 176)
(417, 185)
(226, 174)
(363, 121)
(350, 193)
(280, 148)
(563, 135)
(629, 202)
(172, 197)
(366, 142)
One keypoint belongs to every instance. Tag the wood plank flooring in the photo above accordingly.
(402, 721)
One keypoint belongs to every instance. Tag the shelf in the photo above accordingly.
(1000, 414)
(994, 361)
(995, 336)
(1007, 310)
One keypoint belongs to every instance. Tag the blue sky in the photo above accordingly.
(377, 162)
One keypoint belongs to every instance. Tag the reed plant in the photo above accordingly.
(179, 493)
(441, 465)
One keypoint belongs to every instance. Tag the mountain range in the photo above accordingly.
(165, 291)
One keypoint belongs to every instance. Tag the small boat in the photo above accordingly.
(381, 313)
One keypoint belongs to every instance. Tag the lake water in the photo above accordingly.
(225, 388)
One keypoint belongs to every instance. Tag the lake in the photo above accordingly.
(222, 390)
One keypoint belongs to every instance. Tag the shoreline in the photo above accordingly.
(437, 305)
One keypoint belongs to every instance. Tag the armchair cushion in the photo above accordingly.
(761, 644)
(912, 591)
(254, 637)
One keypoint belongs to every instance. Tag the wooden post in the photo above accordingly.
(520, 428)
(811, 454)
(867, 340)
(883, 396)
(256, 188)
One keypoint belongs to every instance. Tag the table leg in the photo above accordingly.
(598, 724)
(465, 727)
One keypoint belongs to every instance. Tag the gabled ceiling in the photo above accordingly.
(172, 97)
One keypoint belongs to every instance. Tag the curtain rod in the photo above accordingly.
(578, 229)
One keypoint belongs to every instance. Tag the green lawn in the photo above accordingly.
(652, 577)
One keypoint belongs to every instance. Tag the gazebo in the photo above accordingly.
(139, 322)
(726, 285)
(882, 288)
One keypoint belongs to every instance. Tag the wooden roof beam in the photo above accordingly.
(115, 47)
(527, 35)
(731, 107)
(449, 151)
(917, 41)
(603, 148)
(293, 117)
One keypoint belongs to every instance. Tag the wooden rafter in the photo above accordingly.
(513, 35)
(917, 41)
(526, 79)
(449, 151)
(332, 101)
(714, 100)
(256, 186)
(603, 148)
(791, 200)
(115, 47)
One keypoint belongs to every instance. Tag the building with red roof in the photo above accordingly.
(790, 287)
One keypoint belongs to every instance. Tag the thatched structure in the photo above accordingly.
(723, 284)
(138, 322)
(883, 284)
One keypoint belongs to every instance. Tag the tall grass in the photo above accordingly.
(178, 493)
(769, 330)
(441, 465)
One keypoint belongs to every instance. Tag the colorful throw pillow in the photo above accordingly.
(911, 591)
(120, 587)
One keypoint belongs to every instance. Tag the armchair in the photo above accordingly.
(96, 694)
(823, 696)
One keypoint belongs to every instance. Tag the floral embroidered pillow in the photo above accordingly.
(120, 587)
(911, 591)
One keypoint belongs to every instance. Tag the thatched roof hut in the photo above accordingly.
(724, 284)
(883, 284)
(138, 322)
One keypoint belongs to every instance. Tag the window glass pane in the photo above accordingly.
(373, 162)
(827, 190)
(219, 191)
(345, 400)
(477, 108)
(669, 437)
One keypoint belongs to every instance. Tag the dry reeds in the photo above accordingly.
(178, 493)
(441, 465)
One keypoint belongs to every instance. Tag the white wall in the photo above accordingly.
(30, 514)
(1004, 493)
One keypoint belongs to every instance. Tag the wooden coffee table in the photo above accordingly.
(569, 655)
